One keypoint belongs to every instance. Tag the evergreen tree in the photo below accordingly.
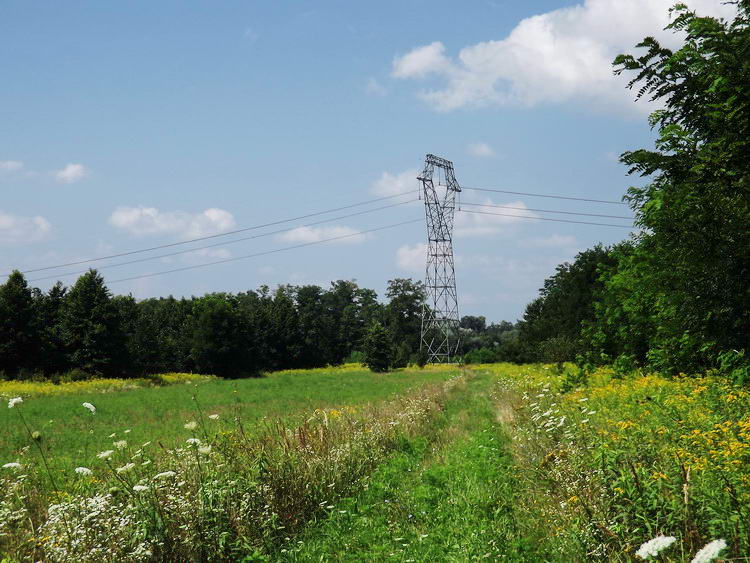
(19, 335)
(49, 308)
(92, 328)
(377, 349)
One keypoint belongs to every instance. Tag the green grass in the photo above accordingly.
(72, 435)
(452, 499)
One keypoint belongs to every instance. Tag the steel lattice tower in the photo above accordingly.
(440, 335)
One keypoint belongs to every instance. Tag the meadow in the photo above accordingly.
(498, 462)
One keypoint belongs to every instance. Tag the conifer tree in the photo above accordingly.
(19, 337)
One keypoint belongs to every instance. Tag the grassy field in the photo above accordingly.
(497, 462)
(137, 411)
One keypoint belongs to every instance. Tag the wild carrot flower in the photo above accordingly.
(105, 454)
(14, 401)
(12, 465)
(125, 468)
(213, 416)
(140, 488)
(83, 471)
(193, 441)
(89, 406)
(165, 475)
(121, 444)
(709, 552)
(205, 450)
(192, 425)
(652, 547)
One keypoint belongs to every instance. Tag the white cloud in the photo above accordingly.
(318, 234)
(412, 258)
(14, 230)
(10, 165)
(422, 61)
(393, 184)
(485, 221)
(375, 88)
(142, 221)
(481, 150)
(71, 173)
(555, 57)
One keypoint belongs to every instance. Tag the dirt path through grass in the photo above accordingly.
(452, 500)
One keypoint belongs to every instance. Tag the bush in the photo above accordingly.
(377, 350)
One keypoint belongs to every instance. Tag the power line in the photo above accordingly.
(267, 252)
(546, 210)
(226, 242)
(245, 229)
(546, 219)
(544, 195)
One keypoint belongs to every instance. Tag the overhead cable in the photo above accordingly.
(265, 253)
(545, 219)
(226, 233)
(544, 195)
(545, 210)
(225, 242)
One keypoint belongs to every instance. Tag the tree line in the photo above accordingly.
(676, 296)
(85, 330)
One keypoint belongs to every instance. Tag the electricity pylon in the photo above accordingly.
(440, 335)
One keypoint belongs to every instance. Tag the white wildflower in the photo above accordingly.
(140, 488)
(192, 425)
(112, 435)
(12, 465)
(652, 547)
(105, 454)
(213, 416)
(165, 475)
(205, 450)
(584, 421)
(121, 444)
(144, 444)
(145, 463)
(193, 441)
(14, 401)
(125, 468)
(83, 471)
(127, 431)
(709, 552)
(89, 406)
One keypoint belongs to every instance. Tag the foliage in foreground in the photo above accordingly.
(613, 461)
(221, 495)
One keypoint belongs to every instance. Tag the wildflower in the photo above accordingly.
(126, 431)
(14, 401)
(83, 471)
(193, 441)
(12, 465)
(89, 406)
(125, 468)
(709, 552)
(105, 454)
(144, 444)
(112, 435)
(36, 435)
(192, 425)
(165, 475)
(140, 488)
(121, 444)
(652, 547)
(205, 450)
(213, 416)
(145, 463)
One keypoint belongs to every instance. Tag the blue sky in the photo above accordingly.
(136, 124)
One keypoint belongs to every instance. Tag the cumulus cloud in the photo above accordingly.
(141, 221)
(490, 221)
(393, 184)
(481, 150)
(71, 173)
(14, 229)
(559, 56)
(302, 235)
(412, 258)
(10, 165)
